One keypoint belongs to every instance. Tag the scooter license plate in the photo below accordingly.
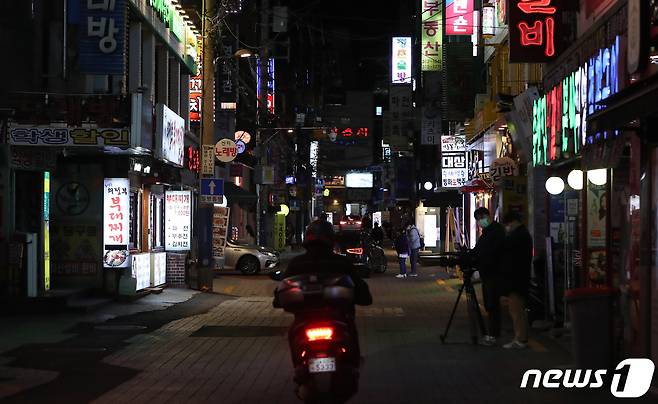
(321, 365)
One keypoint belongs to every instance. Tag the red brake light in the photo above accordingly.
(319, 333)
(357, 251)
(358, 222)
(343, 222)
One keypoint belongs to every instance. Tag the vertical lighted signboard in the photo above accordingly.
(178, 220)
(196, 88)
(401, 60)
(454, 168)
(532, 30)
(46, 230)
(116, 222)
(459, 17)
(431, 58)
(488, 21)
(269, 70)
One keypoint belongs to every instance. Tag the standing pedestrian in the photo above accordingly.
(488, 252)
(517, 263)
(402, 248)
(414, 246)
(377, 234)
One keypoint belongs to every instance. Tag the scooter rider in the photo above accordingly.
(320, 258)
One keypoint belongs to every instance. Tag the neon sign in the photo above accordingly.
(431, 58)
(459, 17)
(559, 118)
(532, 30)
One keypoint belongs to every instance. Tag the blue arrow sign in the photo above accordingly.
(212, 186)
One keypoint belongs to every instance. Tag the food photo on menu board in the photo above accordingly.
(116, 214)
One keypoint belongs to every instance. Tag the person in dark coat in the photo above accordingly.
(403, 250)
(517, 264)
(488, 252)
(377, 234)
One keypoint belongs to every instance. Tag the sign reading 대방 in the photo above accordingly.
(116, 222)
(401, 60)
(35, 135)
(454, 167)
(431, 46)
(170, 135)
(459, 17)
(178, 220)
(101, 46)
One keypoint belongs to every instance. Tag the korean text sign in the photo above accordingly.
(170, 135)
(534, 30)
(116, 222)
(459, 17)
(196, 89)
(178, 220)
(401, 60)
(102, 36)
(454, 162)
(431, 58)
(36, 135)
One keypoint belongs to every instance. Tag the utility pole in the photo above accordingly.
(261, 189)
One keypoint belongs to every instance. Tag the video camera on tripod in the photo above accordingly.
(467, 261)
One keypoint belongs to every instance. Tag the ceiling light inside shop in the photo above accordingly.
(598, 177)
(555, 185)
(575, 179)
(137, 167)
(147, 169)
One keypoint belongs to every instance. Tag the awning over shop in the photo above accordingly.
(235, 194)
(635, 101)
(476, 185)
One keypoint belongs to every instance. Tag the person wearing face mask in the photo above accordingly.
(488, 252)
(517, 263)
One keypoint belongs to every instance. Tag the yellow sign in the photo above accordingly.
(280, 231)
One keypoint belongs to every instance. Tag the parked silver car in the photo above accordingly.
(249, 259)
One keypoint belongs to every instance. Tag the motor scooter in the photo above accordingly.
(322, 338)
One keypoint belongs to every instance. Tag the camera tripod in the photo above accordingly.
(472, 307)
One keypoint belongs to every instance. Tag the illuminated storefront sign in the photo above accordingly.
(488, 21)
(28, 135)
(178, 220)
(169, 15)
(116, 222)
(193, 159)
(170, 135)
(533, 30)
(350, 132)
(270, 83)
(196, 89)
(432, 35)
(559, 118)
(401, 60)
(459, 17)
(313, 159)
(454, 167)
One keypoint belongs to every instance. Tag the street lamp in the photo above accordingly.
(243, 53)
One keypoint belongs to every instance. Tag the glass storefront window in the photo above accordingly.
(156, 222)
(135, 209)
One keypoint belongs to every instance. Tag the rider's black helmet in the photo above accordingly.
(319, 231)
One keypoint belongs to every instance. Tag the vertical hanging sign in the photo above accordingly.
(459, 17)
(432, 35)
(196, 89)
(534, 30)
(401, 60)
(46, 230)
(178, 220)
(116, 222)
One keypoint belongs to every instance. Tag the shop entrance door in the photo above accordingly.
(28, 219)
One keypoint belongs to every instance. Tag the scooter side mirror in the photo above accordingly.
(276, 275)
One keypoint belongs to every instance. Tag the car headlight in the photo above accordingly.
(269, 254)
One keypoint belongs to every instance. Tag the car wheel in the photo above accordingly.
(249, 265)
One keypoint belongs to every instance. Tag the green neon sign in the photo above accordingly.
(170, 16)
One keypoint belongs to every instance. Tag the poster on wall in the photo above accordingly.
(77, 249)
(220, 217)
(116, 223)
(141, 270)
(178, 220)
(170, 135)
(596, 215)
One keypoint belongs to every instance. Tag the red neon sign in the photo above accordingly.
(533, 36)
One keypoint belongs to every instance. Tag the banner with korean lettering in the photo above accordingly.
(178, 220)
(401, 60)
(196, 89)
(459, 17)
(534, 30)
(36, 135)
(170, 135)
(102, 34)
(431, 58)
(454, 161)
(116, 222)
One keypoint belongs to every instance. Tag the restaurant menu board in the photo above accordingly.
(116, 223)
(219, 231)
(141, 270)
(178, 220)
(158, 268)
